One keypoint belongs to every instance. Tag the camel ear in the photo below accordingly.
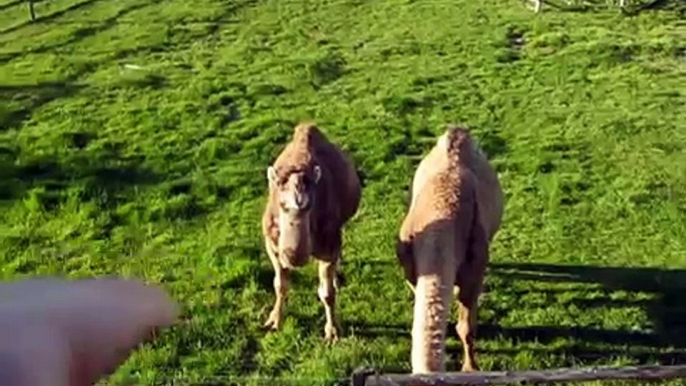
(317, 173)
(271, 175)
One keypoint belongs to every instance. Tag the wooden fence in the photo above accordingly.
(369, 377)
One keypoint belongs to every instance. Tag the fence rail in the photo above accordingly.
(369, 377)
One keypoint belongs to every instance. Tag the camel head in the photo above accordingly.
(294, 190)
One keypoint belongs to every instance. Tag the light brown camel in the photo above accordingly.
(443, 246)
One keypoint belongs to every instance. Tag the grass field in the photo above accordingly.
(135, 135)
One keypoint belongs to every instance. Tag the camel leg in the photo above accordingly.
(282, 281)
(327, 294)
(470, 278)
(467, 300)
(537, 5)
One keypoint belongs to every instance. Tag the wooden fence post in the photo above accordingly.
(32, 12)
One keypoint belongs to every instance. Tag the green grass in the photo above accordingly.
(158, 171)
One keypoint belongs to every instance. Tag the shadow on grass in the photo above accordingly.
(678, 6)
(540, 334)
(18, 102)
(667, 311)
(49, 17)
(12, 4)
(629, 10)
(101, 177)
(591, 355)
(30, 98)
(102, 182)
(84, 31)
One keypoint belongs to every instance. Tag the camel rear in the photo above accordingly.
(443, 244)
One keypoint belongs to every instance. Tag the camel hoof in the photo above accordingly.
(330, 334)
(273, 323)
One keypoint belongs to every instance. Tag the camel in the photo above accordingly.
(443, 245)
(314, 190)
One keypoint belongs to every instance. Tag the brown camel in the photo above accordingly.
(313, 191)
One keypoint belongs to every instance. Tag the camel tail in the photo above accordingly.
(433, 296)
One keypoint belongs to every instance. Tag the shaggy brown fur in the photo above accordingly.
(313, 191)
(456, 209)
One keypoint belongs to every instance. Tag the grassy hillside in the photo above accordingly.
(135, 134)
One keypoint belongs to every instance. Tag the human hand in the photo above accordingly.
(56, 332)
